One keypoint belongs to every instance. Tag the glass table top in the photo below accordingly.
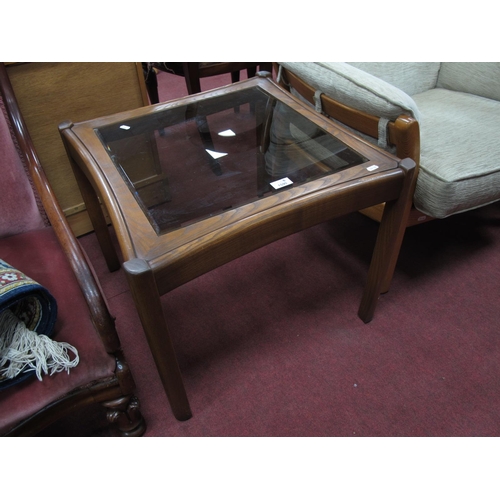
(193, 161)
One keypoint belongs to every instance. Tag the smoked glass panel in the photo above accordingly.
(190, 162)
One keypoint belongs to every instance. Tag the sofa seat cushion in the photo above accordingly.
(39, 255)
(460, 152)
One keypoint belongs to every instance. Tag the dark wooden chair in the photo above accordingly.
(194, 71)
(36, 239)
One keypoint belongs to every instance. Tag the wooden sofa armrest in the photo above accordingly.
(100, 315)
(403, 133)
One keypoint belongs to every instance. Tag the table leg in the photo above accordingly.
(147, 300)
(388, 244)
(94, 210)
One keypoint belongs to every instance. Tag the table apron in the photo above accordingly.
(219, 247)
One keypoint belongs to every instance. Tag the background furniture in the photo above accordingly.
(194, 71)
(49, 93)
(36, 239)
(445, 116)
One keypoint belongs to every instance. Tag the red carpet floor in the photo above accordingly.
(271, 345)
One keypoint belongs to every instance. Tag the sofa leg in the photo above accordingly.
(125, 415)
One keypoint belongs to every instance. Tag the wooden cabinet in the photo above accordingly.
(51, 93)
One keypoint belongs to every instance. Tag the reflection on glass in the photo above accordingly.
(227, 133)
(195, 161)
(215, 155)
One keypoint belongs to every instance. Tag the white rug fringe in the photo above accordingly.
(24, 350)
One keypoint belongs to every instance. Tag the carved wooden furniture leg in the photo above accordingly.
(388, 244)
(147, 299)
(125, 414)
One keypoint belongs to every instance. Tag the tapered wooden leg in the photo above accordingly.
(94, 210)
(151, 83)
(93, 206)
(147, 299)
(192, 76)
(389, 239)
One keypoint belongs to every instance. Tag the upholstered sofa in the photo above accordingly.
(445, 116)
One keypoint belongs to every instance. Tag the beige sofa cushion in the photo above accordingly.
(479, 78)
(410, 77)
(460, 152)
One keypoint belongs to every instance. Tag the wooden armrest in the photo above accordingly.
(77, 258)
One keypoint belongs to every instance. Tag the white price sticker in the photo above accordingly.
(281, 183)
(372, 168)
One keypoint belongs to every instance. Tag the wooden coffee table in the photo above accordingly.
(192, 184)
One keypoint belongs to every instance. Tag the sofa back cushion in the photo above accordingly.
(355, 87)
(479, 78)
(18, 206)
(410, 77)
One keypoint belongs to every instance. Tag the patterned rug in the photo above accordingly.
(28, 313)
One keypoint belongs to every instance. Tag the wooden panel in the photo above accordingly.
(50, 93)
